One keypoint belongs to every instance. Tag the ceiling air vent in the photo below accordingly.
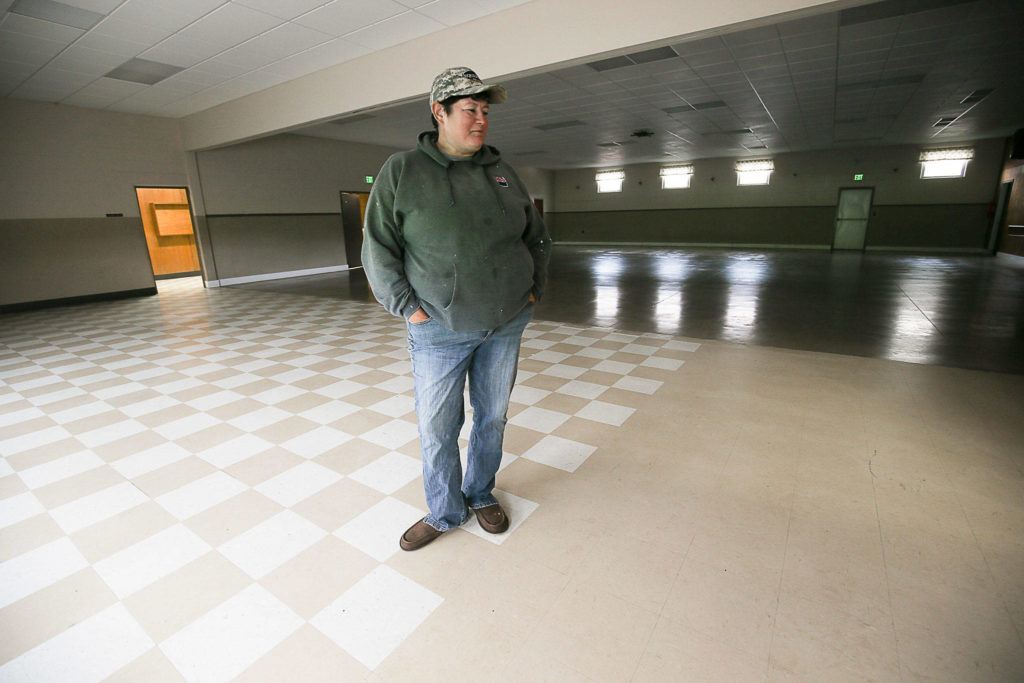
(976, 96)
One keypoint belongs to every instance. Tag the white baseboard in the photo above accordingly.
(228, 281)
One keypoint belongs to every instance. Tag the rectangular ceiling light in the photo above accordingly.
(143, 71)
(57, 12)
(709, 105)
(559, 124)
(680, 108)
(643, 57)
(976, 96)
(944, 121)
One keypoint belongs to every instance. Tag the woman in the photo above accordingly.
(454, 245)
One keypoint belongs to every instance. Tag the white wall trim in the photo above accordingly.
(228, 281)
(932, 250)
(726, 245)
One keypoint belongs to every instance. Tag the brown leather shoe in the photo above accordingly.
(492, 518)
(418, 535)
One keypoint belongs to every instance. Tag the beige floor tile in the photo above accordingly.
(213, 435)
(152, 667)
(316, 577)
(526, 664)
(351, 455)
(130, 445)
(308, 656)
(10, 486)
(676, 653)
(168, 605)
(975, 646)
(27, 535)
(46, 613)
(257, 468)
(723, 605)
(44, 454)
(78, 486)
(594, 632)
(813, 640)
(105, 538)
(633, 569)
(332, 507)
(173, 476)
(224, 521)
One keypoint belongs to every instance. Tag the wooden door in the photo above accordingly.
(167, 221)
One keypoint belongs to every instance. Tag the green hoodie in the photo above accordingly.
(460, 239)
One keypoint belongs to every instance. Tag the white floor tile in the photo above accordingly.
(148, 460)
(528, 395)
(298, 483)
(150, 406)
(563, 454)
(396, 406)
(539, 419)
(267, 546)
(226, 641)
(202, 494)
(615, 367)
(581, 389)
(549, 356)
(214, 400)
(377, 530)
(392, 435)
(638, 384)
(17, 416)
(517, 509)
(148, 561)
(105, 435)
(316, 441)
(375, 615)
(326, 413)
(25, 442)
(96, 507)
(186, 425)
(389, 472)
(32, 571)
(234, 451)
(258, 419)
(564, 371)
(90, 650)
(608, 413)
(60, 469)
(662, 363)
(676, 345)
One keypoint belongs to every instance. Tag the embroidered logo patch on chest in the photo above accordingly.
(501, 181)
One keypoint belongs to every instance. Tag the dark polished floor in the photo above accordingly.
(958, 311)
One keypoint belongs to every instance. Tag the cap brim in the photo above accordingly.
(497, 93)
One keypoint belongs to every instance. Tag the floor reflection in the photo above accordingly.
(961, 311)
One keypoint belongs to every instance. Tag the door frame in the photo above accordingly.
(867, 225)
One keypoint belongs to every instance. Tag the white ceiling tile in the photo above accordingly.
(394, 31)
(320, 57)
(162, 14)
(277, 43)
(121, 29)
(90, 100)
(452, 12)
(112, 87)
(100, 6)
(39, 28)
(180, 51)
(117, 46)
(344, 16)
(57, 78)
(16, 47)
(228, 26)
(86, 60)
(283, 10)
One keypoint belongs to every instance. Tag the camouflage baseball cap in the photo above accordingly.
(461, 80)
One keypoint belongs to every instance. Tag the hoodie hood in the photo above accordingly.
(427, 143)
(484, 157)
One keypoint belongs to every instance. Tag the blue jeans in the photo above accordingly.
(441, 361)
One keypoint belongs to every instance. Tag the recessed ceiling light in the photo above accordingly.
(143, 71)
(976, 96)
(57, 12)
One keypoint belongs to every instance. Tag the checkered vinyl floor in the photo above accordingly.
(210, 484)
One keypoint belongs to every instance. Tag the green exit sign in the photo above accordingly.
(858, 176)
(369, 179)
